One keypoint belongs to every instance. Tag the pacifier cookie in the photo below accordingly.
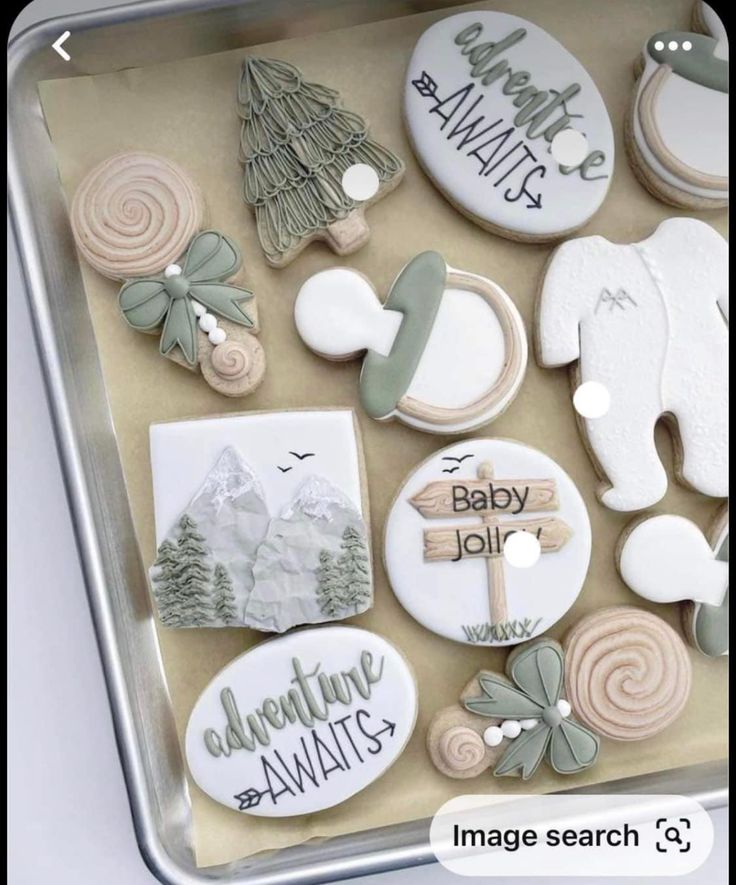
(303, 722)
(508, 125)
(261, 520)
(139, 217)
(446, 535)
(677, 128)
(667, 558)
(445, 353)
(648, 321)
(310, 169)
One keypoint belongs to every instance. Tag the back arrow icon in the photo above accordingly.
(57, 46)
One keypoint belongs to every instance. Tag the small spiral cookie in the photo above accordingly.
(627, 672)
(134, 214)
(461, 748)
(235, 367)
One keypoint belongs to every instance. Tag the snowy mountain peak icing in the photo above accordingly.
(317, 498)
(229, 479)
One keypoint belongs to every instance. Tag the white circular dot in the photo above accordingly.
(569, 147)
(173, 270)
(217, 336)
(528, 724)
(564, 707)
(521, 549)
(687, 45)
(493, 736)
(592, 400)
(510, 729)
(199, 309)
(360, 181)
(659, 45)
(207, 322)
(672, 45)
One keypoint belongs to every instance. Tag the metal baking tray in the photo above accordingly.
(105, 41)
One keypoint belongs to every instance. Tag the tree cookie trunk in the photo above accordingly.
(349, 234)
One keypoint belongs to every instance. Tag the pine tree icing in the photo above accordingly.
(165, 588)
(295, 144)
(223, 597)
(344, 583)
(192, 576)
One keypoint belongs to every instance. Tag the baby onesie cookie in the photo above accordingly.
(261, 520)
(513, 723)
(445, 353)
(447, 529)
(649, 322)
(138, 217)
(303, 722)
(668, 559)
(627, 672)
(486, 95)
(677, 128)
(296, 145)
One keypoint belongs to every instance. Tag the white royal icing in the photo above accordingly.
(451, 598)
(649, 322)
(668, 559)
(478, 146)
(353, 700)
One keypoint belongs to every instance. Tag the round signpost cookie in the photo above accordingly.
(303, 722)
(490, 101)
(445, 353)
(445, 538)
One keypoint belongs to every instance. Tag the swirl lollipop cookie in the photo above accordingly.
(627, 671)
(138, 217)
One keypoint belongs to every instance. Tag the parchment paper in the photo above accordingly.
(186, 111)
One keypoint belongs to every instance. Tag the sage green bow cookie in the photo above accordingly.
(210, 259)
(538, 671)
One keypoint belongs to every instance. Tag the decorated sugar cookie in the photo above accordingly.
(513, 723)
(139, 217)
(621, 673)
(261, 521)
(446, 535)
(301, 723)
(668, 559)
(649, 322)
(445, 353)
(627, 672)
(677, 136)
(297, 145)
(486, 95)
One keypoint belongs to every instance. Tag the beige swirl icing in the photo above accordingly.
(135, 214)
(627, 672)
(461, 748)
(231, 360)
(235, 367)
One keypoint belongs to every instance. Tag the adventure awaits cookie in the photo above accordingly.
(447, 529)
(486, 95)
(648, 321)
(296, 145)
(445, 353)
(677, 129)
(138, 217)
(668, 559)
(512, 723)
(261, 520)
(303, 722)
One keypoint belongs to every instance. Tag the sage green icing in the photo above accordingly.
(537, 670)
(416, 294)
(344, 580)
(710, 622)
(295, 144)
(699, 64)
(210, 259)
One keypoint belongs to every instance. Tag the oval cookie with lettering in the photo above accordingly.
(303, 722)
(486, 96)
(445, 545)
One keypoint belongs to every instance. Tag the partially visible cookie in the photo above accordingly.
(676, 131)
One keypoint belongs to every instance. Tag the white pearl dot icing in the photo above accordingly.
(493, 736)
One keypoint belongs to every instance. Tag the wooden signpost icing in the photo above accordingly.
(486, 497)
